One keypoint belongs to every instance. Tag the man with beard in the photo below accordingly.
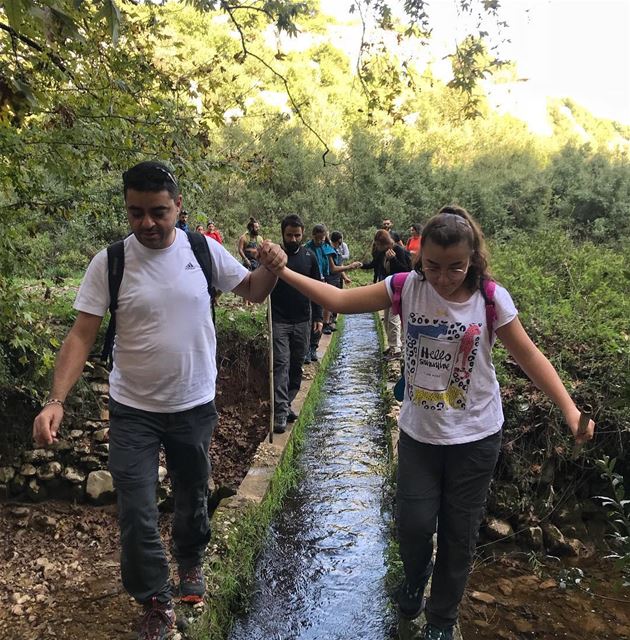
(293, 317)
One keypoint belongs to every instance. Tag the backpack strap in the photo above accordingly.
(488, 287)
(200, 248)
(115, 269)
(398, 282)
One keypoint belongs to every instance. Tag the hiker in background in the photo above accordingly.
(389, 258)
(248, 244)
(342, 248)
(326, 254)
(336, 279)
(294, 317)
(182, 220)
(413, 243)
(199, 229)
(213, 232)
(162, 384)
(395, 236)
(387, 224)
(343, 254)
(451, 416)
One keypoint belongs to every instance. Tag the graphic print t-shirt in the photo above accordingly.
(451, 391)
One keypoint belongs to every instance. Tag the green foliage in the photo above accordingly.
(618, 508)
(246, 123)
(28, 340)
(572, 299)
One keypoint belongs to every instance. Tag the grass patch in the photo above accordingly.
(392, 555)
(239, 536)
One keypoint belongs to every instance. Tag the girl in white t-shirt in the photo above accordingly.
(451, 417)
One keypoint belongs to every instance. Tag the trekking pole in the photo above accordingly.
(271, 407)
(585, 418)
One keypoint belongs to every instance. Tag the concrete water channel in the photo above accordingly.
(322, 572)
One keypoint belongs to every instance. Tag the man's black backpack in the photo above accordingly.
(116, 267)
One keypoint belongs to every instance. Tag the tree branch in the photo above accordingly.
(55, 59)
(287, 88)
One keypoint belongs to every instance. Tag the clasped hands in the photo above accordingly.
(272, 257)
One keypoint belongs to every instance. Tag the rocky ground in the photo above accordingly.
(59, 577)
(510, 598)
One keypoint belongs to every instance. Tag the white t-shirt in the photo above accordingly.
(451, 390)
(165, 347)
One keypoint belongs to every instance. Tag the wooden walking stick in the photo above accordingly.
(271, 403)
(585, 418)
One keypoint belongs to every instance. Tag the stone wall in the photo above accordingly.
(75, 467)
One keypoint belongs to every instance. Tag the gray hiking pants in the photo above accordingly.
(135, 437)
(290, 344)
(443, 485)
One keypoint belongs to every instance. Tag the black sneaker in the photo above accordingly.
(327, 330)
(280, 427)
(314, 356)
(307, 358)
(292, 417)
(430, 632)
(192, 585)
(158, 621)
(410, 600)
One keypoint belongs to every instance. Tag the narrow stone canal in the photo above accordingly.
(322, 573)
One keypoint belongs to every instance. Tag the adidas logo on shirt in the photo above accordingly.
(189, 267)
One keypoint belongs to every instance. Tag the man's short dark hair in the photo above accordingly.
(335, 236)
(150, 176)
(319, 228)
(292, 220)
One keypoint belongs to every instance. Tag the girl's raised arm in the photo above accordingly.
(542, 373)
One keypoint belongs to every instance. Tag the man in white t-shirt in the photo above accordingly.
(162, 384)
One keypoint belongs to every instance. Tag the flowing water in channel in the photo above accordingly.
(322, 573)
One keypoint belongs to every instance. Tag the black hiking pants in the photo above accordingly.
(443, 486)
(135, 438)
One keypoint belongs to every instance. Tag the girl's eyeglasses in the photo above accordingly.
(451, 273)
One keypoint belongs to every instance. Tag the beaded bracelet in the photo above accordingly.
(54, 401)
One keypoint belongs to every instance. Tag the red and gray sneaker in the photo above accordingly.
(158, 621)
(192, 584)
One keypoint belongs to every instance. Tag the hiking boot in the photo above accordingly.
(280, 427)
(307, 358)
(327, 330)
(158, 621)
(430, 632)
(192, 584)
(410, 600)
(314, 356)
(292, 417)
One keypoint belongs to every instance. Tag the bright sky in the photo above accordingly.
(565, 48)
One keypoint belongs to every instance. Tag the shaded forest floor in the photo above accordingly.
(60, 572)
(60, 561)
(514, 598)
